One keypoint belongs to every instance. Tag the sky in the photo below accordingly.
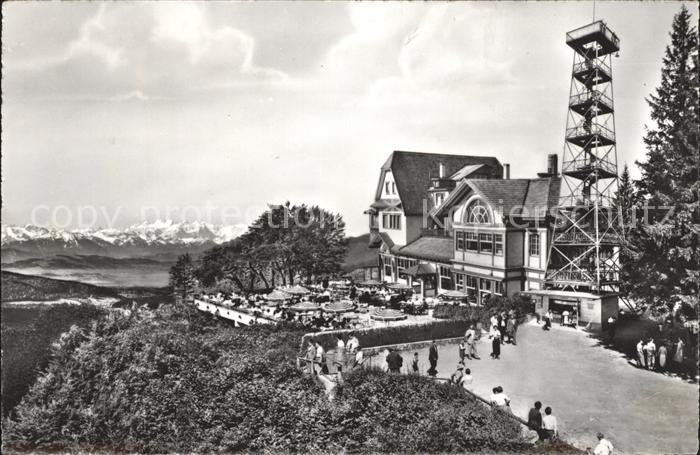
(118, 112)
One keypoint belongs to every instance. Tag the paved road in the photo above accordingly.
(589, 388)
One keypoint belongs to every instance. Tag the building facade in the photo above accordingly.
(455, 222)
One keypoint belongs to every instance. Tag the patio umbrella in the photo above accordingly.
(277, 296)
(420, 270)
(399, 287)
(297, 290)
(454, 294)
(387, 315)
(370, 283)
(305, 306)
(340, 307)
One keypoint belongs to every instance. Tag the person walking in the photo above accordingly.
(651, 354)
(549, 424)
(501, 326)
(495, 336)
(678, 355)
(433, 359)
(321, 358)
(547, 320)
(641, 362)
(534, 420)
(663, 356)
(311, 357)
(470, 337)
(604, 446)
(462, 349)
(510, 330)
(339, 352)
(611, 327)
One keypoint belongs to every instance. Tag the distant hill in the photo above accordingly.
(81, 261)
(18, 287)
(359, 254)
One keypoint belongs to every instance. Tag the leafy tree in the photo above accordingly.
(663, 270)
(285, 243)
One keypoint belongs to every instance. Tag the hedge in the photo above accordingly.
(399, 334)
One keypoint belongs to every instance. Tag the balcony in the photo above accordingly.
(592, 72)
(589, 167)
(576, 237)
(595, 37)
(595, 135)
(591, 103)
(582, 277)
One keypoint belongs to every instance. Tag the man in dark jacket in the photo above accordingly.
(433, 358)
(534, 419)
(394, 361)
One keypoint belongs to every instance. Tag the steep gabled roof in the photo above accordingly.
(526, 198)
(412, 171)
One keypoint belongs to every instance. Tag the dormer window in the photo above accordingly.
(390, 188)
(478, 213)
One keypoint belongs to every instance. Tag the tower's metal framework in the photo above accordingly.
(588, 233)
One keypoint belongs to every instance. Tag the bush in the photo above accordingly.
(27, 334)
(413, 414)
(162, 383)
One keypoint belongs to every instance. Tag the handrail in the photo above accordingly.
(592, 64)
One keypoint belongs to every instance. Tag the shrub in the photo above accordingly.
(27, 334)
(160, 382)
(413, 414)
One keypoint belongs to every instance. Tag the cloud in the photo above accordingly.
(156, 49)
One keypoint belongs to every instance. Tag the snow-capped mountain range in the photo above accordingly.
(155, 239)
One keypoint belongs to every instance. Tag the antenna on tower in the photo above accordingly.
(593, 10)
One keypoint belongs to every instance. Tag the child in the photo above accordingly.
(415, 368)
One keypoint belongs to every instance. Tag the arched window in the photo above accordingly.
(478, 213)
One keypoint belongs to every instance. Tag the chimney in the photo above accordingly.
(506, 171)
(441, 170)
(553, 164)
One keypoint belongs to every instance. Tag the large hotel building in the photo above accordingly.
(457, 222)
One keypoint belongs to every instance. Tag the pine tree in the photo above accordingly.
(182, 278)
(664, 270)
(627, 199)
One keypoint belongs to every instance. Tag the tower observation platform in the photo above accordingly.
(588, 233)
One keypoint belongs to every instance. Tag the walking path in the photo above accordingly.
(589, 388)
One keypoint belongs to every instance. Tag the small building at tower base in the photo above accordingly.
(588, 308)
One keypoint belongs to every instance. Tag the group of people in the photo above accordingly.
(504, 328)
(348, 355)
(653, 358)
(545, 426)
